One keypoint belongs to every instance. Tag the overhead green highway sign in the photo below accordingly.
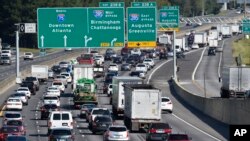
(141, 27)
(169, 18)
(80, 27)
(246, 26)
(111, 4)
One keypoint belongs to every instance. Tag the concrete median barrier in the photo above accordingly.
(229, 111)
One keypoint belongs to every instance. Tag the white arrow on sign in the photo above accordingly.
(65, 40)
(42, 41)
(112, 42)
(86, 40)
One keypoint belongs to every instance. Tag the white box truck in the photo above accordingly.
(200, 38)
(226, 31)
(41, 72)
(213, 34)
(180, 44)
(142, 106)
(82, 71)
(235, 29)
(117, 99)
(235, 82)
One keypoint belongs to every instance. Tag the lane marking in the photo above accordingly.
(221, 57)
(2, 111)
(197, 65)
(196, 128)
(150, 76)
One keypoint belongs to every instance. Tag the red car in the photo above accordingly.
(19, 124)
(179, 137)
(9, 130)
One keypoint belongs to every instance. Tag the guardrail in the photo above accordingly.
(229, 111)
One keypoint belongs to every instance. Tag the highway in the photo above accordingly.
(183, 120)
(7, 70)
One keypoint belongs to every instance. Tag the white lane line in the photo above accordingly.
(197, 65)
(176, 115)
(151, 74)
(221, 57)
(196, 128)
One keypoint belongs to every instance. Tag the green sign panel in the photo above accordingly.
(143, 4)
(169, 18)
(111, 4)
(80, 27)
(141, 26)
(246, 26)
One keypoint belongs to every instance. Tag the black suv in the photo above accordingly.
(158, 132)
(46, 109)
(30, 85)
(100, 124)
(34, 80)
(211, 51)
(117, 60)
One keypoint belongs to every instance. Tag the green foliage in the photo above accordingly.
(24, 11)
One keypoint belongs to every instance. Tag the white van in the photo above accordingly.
(60, 119)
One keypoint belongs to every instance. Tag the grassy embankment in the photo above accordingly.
(242, 47)
(35, 50)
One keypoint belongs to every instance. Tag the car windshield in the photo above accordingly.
(90, 106)
(54, 88)
(65, 74)
(14, 123)
(22, 89)
(50, 98)
(5, 58)
(117, 129)
(57, 83)
(30, 79)
(63, 63)
(101, 112)
(28, 53)
(60, 76)
(140, 65)
(61, 132)
(10, 129)
(19, 94)
(5, 51)
(165, 100)
(13, 100)
(12, 115)
(16, 138)
(98, 56)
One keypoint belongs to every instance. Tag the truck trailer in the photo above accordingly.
(142, 106)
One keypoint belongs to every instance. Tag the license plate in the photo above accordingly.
(159, 131)
(104, 125)
(64, 124)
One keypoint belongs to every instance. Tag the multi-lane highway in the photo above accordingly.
(183, 120)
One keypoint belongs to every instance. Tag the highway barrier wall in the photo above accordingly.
(229, 111)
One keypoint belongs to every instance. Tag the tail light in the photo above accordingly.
(167, 130)
(49, 124)
(93, 124)
(152, 130)
(169, 102)
(127, 134)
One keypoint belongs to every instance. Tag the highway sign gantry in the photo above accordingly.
(80, 27)
(169, 18)
(141, 27)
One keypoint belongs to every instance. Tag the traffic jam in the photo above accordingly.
(69, 96)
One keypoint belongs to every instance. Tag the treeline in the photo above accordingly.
(24, 11)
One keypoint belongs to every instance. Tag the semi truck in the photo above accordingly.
(200, 38)
(235, 29)
(180, 44)
(235, 81)
(85, 92)
(142, 106)
(226, 31)
(117, 98)
(41, 72)
(82, 71)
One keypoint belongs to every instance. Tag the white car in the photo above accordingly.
(14, 103)
(67, 49)
(28, 55)
(141, 67)
(60, 119)
(113, 67)
(6, 53)
(99, 59)
(135, 51)
(54, 90)
(51, 99)
(166, 104)
(62, 78)
(12, 116)
(149, 61)
(24, 90)
(170, 54)
(22, 97)
(68, 76)
(94, 52)
(116, 133)
(59, 85)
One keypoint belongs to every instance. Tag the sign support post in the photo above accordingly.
(17, 54)
(174, 56)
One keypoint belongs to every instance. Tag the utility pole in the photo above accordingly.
(203, 8)
(245, 5)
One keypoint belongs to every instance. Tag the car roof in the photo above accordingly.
(12, 112)
(160, 125)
